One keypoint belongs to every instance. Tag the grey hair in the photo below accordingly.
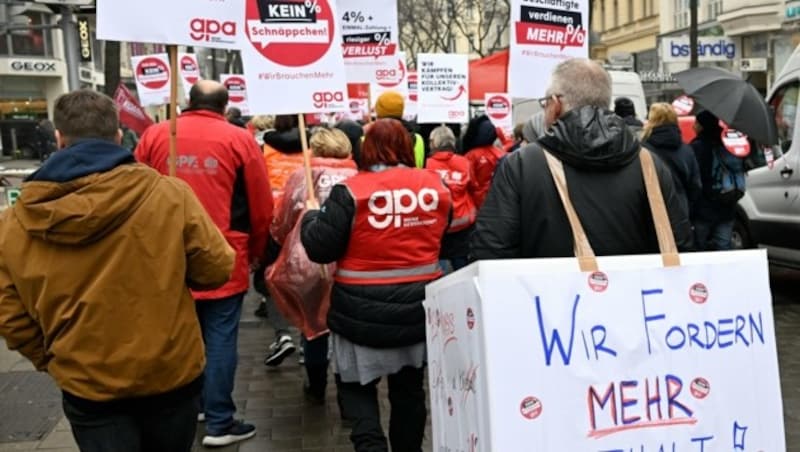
(443, 138)
(581, 83)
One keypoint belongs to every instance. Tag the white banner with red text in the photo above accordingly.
(543, 34)
(443, 85)
(237, 91)
(369, 35)
(499, 110)
(207, 23)
(292, 59)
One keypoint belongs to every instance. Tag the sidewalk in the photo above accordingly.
(271, 399)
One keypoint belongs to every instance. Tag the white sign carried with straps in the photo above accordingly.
(152, 75)
(606, 354)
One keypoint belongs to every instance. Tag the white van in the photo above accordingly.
(623, 84)
(629, 84)
(769, 213)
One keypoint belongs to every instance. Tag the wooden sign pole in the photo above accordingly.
(301, 121)
(173, 108)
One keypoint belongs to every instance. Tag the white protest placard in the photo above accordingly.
(369, 34)
(152, 76)
(443, 86)
(543, 34)
(393, 77)
(190, 71)
(535, 355)
(413, 95)
(292, 59)
(216, 23)
(237, 91)
(358, 101)
(498, 109)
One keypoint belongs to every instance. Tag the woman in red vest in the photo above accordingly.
(457, 173)
(383, 228)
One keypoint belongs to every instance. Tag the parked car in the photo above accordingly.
(769, 214)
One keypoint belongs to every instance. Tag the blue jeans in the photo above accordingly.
(713, 235)
(219, 321)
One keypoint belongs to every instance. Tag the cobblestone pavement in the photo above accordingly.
(272, 398)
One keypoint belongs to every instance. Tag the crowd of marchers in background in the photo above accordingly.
(127, 286)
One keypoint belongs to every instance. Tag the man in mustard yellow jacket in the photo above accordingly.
(96, 261)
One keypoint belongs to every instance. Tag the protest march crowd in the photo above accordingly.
(126, 286)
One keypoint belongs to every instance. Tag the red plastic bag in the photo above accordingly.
(301, 289)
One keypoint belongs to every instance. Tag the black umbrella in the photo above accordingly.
(732, 100)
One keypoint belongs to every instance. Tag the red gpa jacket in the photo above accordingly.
(225, 168)
(484, 161)
(401, 215)
(456, 171)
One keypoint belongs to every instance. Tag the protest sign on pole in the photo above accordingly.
(237, 91)
(358, 101)
(369, 35)
(292, 59)
(498, 109)
(392, 77)
(536, 354)
(544, 34)
(131, 113)
(413, 90)
(190, 71)
(443, 86)
(152, 76)
(183, 22)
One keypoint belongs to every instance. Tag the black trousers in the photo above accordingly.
(134, 427)
(408, 413)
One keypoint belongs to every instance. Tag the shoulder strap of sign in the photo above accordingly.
(583, 249)
(666, 239)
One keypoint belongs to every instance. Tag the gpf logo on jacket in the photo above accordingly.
(398, 206)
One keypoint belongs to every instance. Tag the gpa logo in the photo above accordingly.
(388, 207)
(210, 30)
(328, 99)
(456, 114)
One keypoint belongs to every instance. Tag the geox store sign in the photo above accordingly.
(85, 38)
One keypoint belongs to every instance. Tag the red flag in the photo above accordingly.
(131, 112)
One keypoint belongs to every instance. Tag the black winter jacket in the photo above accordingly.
(523, 216)
(378, 316)
(666, 142)
(286, 142)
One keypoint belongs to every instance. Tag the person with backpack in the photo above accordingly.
(482, 153)
(723, 178)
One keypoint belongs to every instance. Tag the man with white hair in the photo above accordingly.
(523, 216)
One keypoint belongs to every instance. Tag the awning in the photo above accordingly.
(488, 75)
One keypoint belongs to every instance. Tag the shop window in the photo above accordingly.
(33, 42)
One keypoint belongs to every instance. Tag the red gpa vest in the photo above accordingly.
(456, 171)
(400, 218)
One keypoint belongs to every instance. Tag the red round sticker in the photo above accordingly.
(698, 293)
(413, 80)
(598, 281)
(700, 388)
(290, 32)
(530, 408)
(736, 142)
(683, 105)
(498, 107)
(189, 70)
(153, 73)
(391, 77)
(237, 91)
(470, 318)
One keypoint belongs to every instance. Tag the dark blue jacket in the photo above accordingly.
(665, 141)
(83, 158)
